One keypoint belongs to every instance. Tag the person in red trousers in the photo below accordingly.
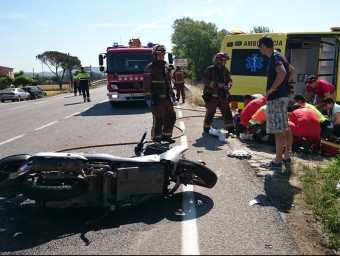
(305, 126)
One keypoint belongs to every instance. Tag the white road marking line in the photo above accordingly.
(45, 125)
(40, 102)
(77, 113)
(17, 137)
(184, 141)
(181, 125)
(180, 114)
(189, 227)
(19, 107)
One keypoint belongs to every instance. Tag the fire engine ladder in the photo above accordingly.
(328, 59)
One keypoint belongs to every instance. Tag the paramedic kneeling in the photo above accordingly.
(334, 114)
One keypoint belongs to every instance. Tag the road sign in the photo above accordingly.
(181, 62)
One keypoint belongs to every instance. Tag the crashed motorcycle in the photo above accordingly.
(61, 179)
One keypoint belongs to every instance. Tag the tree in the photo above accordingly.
(20, 73)
(57, 61)
(198, 42)
(5, 81)
(260, 29)
(22, 80)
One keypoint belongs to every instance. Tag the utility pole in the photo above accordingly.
(91, 73)
(42, 71)
(69, 68)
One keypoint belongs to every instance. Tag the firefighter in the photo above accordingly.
(168, 70)
(179, 76)
(217, 83)
(76, 88)
(84, 83)
(158, 92)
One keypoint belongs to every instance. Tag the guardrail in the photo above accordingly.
(52, 87)
(99, 82)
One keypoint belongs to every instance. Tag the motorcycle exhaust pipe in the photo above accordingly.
(57, 164)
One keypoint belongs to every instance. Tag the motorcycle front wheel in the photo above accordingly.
(194, 173)
(52, 191)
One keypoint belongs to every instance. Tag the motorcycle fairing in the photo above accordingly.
(173, 153)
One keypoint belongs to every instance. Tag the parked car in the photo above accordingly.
(34, 91)
(14, 94)
(41, 92)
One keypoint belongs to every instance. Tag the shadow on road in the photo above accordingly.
(279, 190)
(25, 226)
(105, 109)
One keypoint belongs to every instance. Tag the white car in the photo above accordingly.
(14, 94)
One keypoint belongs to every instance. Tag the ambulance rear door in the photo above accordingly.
(328, 62)
(313, 53)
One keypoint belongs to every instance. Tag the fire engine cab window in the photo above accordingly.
(128, 62)
(119, 63)
(248, 62)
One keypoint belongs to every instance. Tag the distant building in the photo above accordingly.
(5, 71)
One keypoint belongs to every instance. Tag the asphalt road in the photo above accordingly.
(197, 220)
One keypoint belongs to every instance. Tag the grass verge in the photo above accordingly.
(321, 191)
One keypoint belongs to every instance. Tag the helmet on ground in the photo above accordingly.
(158, 48)
(222, 56)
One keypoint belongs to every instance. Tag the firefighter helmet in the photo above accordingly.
(222, 56)
(158, 48)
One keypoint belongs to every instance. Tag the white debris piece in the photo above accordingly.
(214, 132)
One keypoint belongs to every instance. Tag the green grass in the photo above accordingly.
(323, 198)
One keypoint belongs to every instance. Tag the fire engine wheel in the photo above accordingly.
(52, 191)
(196, 174)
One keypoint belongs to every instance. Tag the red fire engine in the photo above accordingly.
(125, 70)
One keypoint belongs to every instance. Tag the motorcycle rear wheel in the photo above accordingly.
(52, 192)
(196, 174)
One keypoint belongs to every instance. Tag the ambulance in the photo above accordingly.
(310, 53)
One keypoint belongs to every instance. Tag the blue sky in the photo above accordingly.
(85, 28)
